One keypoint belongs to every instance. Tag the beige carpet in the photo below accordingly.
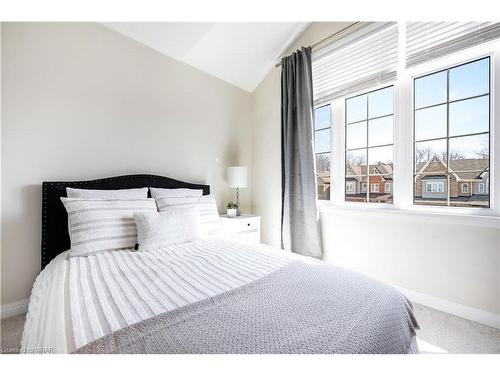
(444, 333)
(439, 333)
(11, 330)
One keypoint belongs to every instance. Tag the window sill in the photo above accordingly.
(486, 218)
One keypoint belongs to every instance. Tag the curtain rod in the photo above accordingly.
(315, 45)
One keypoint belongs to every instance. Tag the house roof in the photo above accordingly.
(358, 172)
(465, 169)
(469, 168)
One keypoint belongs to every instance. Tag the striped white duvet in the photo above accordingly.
(77, 300)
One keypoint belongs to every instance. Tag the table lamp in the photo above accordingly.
(237, 178)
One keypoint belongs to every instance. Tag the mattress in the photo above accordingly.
(76, 300)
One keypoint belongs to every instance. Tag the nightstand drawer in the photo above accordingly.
(241, 225)
(245, 227)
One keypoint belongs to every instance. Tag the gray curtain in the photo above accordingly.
(300, 230)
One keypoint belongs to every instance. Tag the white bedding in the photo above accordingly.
(77, 300)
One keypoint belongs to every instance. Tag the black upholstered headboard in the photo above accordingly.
(55, 236)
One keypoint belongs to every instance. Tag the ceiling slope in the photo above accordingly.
(239, 53)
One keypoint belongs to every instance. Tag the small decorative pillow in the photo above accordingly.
(173, 226)
(108, 194)
(207, 208)
(175, 193)
(97, 225)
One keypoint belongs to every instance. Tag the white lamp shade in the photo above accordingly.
(237, 177)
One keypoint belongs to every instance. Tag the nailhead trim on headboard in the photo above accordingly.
(55, 237)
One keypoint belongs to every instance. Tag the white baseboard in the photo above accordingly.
(14, 308)
(463, 311)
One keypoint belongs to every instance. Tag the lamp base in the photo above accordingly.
(238, 212)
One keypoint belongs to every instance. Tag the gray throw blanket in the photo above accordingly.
(300, 308)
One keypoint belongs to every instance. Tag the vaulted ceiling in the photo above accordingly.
(239, 53)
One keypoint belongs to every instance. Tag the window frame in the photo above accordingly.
(447, 68)
(324, 152)
(491, 50)
(402, 185)
(338, 149)
(366, 92)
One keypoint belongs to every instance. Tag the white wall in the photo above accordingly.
(81, 102)
(458, 262)
(266, 179)
(448, 258)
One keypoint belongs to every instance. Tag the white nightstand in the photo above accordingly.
(244, 227)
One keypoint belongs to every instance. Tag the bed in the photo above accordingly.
(212, 295)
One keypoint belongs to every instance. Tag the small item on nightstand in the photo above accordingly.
(232, 209)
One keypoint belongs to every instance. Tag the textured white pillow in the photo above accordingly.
(140, 193)
(173, 226)
(97, 225)
(175, 193)
(207, 208)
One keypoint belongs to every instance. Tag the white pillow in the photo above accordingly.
(172, 193)
(207, 208)
(97, 225)
(108, 194)
(174, 226)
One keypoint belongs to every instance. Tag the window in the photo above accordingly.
(434, 187)
(452, 132)
(424, 102)
(350, 187)
(369, 142)
(322, 126)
